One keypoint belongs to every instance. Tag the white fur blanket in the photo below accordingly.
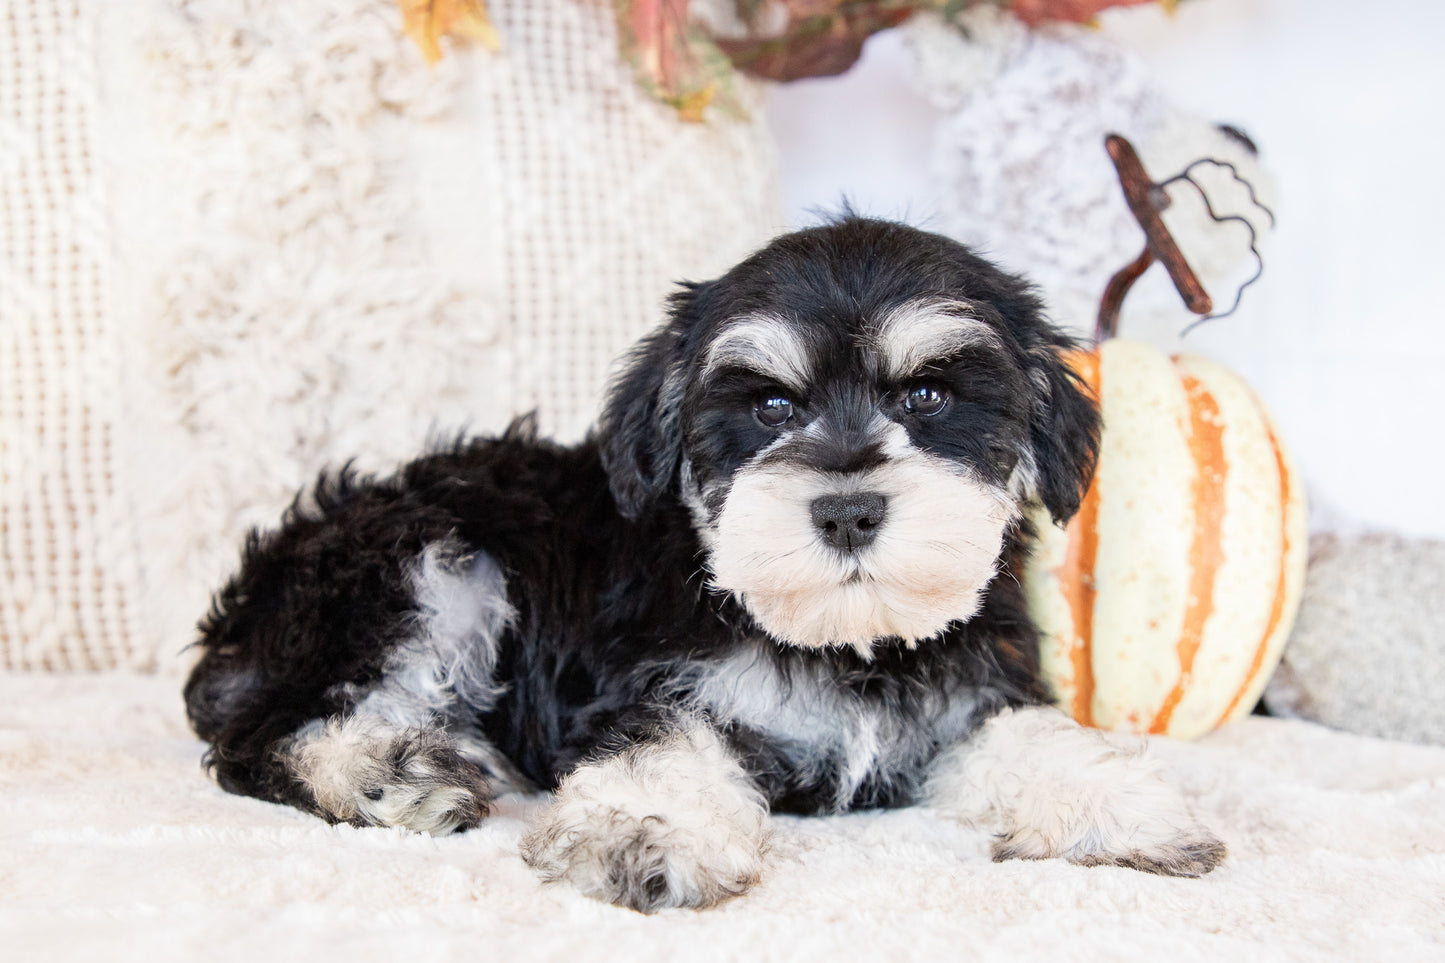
(113, 845)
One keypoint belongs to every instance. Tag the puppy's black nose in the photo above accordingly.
(849, 521)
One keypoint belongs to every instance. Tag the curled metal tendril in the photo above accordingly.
(1233, 173)
(1185, 177)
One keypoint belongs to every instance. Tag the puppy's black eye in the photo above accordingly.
(926, 399)
(774, 411)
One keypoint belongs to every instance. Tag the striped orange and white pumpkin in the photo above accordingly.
(1165, 604)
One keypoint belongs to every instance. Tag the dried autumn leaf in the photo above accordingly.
(679, 64)
(817, 37)
(427, 21)
(675, 61)
(791, 39)
(1035, 12)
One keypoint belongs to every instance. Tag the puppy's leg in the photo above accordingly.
(354, 693)
(1052, 788)
(674, 821)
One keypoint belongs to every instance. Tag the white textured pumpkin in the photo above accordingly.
(1165, 604)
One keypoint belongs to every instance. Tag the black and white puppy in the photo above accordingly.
(778, 577)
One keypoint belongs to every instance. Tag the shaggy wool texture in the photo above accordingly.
(245, 240)
(117, 847)
(1366, 654)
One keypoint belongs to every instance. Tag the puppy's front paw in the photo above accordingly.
(1118, 811)
(645, 863)
(673, 823)
(1052, 789)
(1166, 850)
(1189, 855)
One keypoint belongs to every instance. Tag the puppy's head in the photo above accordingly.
(854, 417)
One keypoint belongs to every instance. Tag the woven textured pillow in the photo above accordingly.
(244, 240)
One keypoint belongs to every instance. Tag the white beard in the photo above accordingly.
(933, 556)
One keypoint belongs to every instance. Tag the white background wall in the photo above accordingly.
(1344, 337)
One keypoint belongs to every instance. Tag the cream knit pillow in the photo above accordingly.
(242, 240)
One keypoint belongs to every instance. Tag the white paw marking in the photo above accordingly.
(1051, 788)
(674, 822)
(363, 771)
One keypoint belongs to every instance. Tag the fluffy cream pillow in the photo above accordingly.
(254, 238)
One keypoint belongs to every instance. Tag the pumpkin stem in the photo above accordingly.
(1145, 199)
(1113, 300)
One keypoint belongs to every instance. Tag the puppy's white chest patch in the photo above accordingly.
(821, 724)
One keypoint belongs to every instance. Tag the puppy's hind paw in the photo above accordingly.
(368, 774)
(427, 789)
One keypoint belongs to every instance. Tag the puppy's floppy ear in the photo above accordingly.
(1064, 419)
(1064, 429)
(640, 439)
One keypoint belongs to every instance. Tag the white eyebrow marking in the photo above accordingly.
(913, 334)
(764, 344)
